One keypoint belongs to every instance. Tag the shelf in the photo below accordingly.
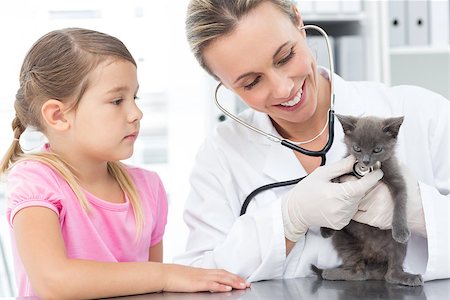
(307, 18)
(419, 50)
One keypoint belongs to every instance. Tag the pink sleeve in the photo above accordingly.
(160, 213)
(31, 183)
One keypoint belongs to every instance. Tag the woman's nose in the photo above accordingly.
(282, 85)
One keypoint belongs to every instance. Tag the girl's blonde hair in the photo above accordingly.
(57, 67)
(208, 20)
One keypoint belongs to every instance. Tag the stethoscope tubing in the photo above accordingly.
(322, 153)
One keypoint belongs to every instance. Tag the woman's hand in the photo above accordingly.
(377, 207)
(188, 279)
(316, 200)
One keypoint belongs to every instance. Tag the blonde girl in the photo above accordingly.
(85, 225)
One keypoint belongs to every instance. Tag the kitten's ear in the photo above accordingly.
(348, 123)
(392, 126)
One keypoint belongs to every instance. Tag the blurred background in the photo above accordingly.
(395, 42)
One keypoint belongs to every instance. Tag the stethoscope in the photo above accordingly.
(320, 153)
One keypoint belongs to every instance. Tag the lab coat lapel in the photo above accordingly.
(280, 163)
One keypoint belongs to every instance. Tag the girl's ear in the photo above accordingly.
(54, 115)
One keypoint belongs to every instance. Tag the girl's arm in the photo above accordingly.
(54, 275)
(156, 253)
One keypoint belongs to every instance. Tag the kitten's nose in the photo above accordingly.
(366, 159)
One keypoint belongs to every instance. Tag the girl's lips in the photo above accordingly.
(132, 136)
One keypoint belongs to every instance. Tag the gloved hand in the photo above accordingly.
(376, 208)
(317, 201)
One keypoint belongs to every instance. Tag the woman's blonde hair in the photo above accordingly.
(208, 20)
(57, 67)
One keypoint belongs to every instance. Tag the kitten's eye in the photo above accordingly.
(356, 148)
(377, 149)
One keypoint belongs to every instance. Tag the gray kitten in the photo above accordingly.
(368, 252)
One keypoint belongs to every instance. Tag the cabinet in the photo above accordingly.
(422, 57)
(396, 42)
(356, 35)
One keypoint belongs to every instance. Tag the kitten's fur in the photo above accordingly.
(368, 252)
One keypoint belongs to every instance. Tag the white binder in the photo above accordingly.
(439, 22)
(318, 46)
(397, 22)
(305, 7)
(327, 6)
(418, 22)
(350, 57)
(351, 6)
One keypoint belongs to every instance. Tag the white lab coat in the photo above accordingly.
(234, 161)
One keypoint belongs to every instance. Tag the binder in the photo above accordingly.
(351, 6)
(306, 7)
(318, 46)
(351, 58)
(327, 6)
(397, 22)
(439, 22)
(418, 22)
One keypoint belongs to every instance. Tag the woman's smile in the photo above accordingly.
(296, 101)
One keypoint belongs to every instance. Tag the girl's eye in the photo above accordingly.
(136, 98)
(356, 148)
(253, 83)
(117, 101)
(287, 57)
(377, 149)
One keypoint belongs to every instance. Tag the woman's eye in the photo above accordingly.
(377, 149)
(356, 148)
(253, 83)
(287, 57)
(117, 101)
(136, 98)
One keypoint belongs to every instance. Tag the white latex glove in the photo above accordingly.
(317, 201)
(376, 208)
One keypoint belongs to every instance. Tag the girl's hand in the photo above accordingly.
(180, 278)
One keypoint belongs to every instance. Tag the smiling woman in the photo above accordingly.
(258, 50)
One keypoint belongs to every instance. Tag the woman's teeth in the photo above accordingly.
(295, 100)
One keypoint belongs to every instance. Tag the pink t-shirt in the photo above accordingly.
(106, 232)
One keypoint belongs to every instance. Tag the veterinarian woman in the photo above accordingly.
(258, 50)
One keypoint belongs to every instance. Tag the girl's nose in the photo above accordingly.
(282, 85)
(135, 114)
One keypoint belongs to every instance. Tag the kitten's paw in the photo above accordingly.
(326, 232)
(401, 234)
(317, 270)
(404, 279)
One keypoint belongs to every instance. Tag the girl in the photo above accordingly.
(257, 49)
(85, 225)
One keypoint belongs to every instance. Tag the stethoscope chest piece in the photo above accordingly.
(360, 170)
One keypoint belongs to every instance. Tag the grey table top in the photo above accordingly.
(312, 288)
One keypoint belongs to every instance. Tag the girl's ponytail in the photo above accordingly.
(14, 151)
